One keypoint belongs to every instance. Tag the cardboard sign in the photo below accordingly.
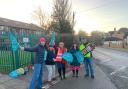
(85, 49)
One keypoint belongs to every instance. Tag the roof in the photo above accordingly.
(124, 30)
(111, 32)
(112, 39)
(12, 23)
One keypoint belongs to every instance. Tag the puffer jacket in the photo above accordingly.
(39, 53)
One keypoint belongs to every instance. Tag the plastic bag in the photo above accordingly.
(20, 71)
(16, 73)
(13, 74)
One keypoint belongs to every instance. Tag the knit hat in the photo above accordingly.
(42, 39)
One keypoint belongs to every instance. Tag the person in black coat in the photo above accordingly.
(39, 49)
(50, 64)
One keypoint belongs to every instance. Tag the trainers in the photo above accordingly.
(50, 83)
(61, 78)
(64, 77)
(54, 79)
(43, 87)
(77, 76)
(73, 75)
(86, 75)
(92, 76)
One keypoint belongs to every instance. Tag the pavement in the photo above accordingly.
(21, 82)
(7, 82)
(101, 81)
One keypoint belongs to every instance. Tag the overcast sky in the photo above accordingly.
(91, 15)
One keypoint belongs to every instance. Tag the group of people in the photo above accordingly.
(54, 58)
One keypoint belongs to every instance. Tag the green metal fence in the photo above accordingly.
(10, 60)
(6, 61)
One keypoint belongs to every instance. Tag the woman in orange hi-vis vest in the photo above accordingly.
(61, 64)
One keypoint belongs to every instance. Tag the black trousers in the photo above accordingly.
(75, 72)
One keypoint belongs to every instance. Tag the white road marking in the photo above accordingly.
(47, 86)
(120, 69)
(106, 60)
(54, 82)
(124, 77)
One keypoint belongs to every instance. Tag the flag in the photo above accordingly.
(80, 57)
(52, 41)
(13, 40)
(67, 57)
(45, 55)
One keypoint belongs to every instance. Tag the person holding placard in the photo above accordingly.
(88, 62)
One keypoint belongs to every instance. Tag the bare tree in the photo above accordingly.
(40, 16)
(97, 37)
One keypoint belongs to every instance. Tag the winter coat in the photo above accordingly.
(75, 60)
(50, 58)
(39, 53)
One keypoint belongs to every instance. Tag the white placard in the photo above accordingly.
(25, 40)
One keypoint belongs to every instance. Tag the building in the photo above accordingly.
(113, 42)
(21, 31)
(117, 39)
(19, 27)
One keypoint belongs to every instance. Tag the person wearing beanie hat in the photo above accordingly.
(39, 49)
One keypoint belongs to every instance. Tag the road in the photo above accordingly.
(115, 64)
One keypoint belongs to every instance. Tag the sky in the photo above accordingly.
(102, 15)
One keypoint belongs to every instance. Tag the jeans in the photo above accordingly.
(88, 66)
(36, 81)
(51, 71)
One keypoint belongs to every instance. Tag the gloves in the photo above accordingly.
(21, 48)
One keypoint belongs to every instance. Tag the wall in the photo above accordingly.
(114, 44)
